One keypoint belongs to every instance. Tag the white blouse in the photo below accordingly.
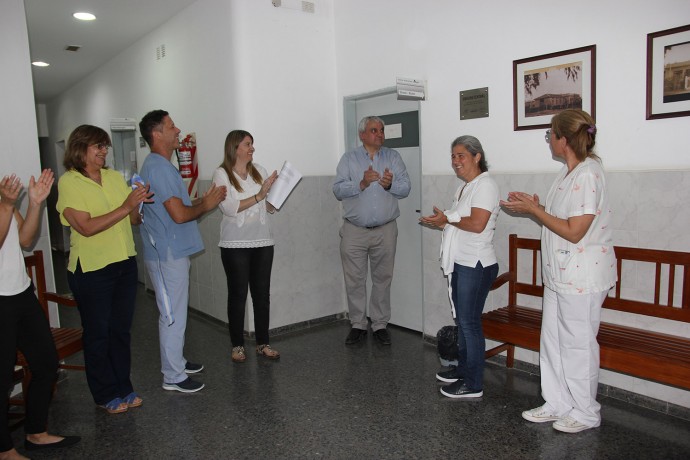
(13, 277)
(589, 265)
(467, 248)
(248, 228)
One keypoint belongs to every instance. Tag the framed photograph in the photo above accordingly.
(544, 85)
(668, 73)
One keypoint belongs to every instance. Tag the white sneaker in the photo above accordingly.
(539, 415)
(568, 424)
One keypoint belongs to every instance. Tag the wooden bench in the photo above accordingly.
(67, 339)
(655, 356)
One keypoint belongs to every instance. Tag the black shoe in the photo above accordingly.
(66, 442)
(193, 368)
(383, 336)
(355, 336)
(460, 390)
(449, 376)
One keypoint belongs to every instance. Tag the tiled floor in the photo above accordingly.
(325, 400)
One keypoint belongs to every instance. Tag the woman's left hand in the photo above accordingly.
(521, 203)
(437, 220)
(140, 194)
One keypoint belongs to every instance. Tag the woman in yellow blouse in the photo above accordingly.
(102, 272)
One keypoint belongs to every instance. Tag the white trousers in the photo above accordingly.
(569, 354)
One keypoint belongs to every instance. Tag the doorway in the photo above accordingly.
(407, 296)
(124, 151)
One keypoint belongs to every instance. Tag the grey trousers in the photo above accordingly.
(359, 248)
(170, 279)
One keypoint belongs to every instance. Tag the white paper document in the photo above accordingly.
(287, 179)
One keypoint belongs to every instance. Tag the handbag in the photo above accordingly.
(447, 342)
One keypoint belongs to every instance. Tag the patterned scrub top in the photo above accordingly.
(588, 266)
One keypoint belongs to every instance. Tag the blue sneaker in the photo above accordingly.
(193, 368)
(185, 386)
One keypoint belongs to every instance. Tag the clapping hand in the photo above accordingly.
(386, 180)
(10, 187)
(437, 220)
(369, 176)
(40, 189)
(521, 202)
(139, 194)
(266, 186)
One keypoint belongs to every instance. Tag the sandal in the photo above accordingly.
(133, 400)
(116, 406)
(238, 354)
(267, 351)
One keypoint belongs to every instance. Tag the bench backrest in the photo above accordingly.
(665, 308)
(36, 271)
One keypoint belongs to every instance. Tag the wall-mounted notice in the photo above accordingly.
(474, 103)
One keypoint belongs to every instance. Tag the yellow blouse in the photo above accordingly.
(82, 194)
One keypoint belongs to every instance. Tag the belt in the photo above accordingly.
(369, 228)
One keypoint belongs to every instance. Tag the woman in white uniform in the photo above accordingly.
(578, 269)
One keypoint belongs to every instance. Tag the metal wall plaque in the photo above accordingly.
(474, 103)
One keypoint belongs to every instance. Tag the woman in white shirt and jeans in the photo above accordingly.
(469, 259)
(246, 243)
(578, 269)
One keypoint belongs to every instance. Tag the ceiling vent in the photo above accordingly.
(73, 48)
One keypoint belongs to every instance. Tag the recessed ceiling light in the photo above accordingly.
(40, 64)
(84, 16)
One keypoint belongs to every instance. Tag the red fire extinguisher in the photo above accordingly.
(186, 158)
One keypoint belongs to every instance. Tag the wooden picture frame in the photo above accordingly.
(668, 73)
(546, 84)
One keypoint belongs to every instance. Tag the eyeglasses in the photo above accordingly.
(547, 136)
(102, 145)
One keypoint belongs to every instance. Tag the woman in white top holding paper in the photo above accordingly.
(246, 243)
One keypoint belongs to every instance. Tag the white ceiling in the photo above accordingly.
(119, 24)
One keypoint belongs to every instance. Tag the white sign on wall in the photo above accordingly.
(411, 89)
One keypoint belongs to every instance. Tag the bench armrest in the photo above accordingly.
(60, 299)
(502, 279)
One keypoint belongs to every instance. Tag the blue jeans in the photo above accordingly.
(106, 299)
(470, 288)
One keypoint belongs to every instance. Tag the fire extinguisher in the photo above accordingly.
(186, 158)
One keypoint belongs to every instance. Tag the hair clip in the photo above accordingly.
(592, 129)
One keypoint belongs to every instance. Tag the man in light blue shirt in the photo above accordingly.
(170, 236)
(369, 181)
